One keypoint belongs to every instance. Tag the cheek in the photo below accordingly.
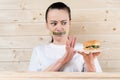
(67, 27)
(49, 27)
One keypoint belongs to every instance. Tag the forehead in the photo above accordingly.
(58, 14)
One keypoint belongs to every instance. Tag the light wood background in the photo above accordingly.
(22, 27)
(58, 76)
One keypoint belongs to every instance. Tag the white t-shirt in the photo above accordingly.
(45, 55)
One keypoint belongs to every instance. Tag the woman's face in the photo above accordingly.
(58, 22)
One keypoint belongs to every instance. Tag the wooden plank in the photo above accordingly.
(73, 4)
(110, 69)
(113, 3)
(13, 16)
(96, 15)
(59, 76)
(23, 41)
(50, 79)
(11, 4)
(22, 29)
(24, 4)
(110, 66)
(108, 41)
(46, 79)
(15, 54)
(113, 15)
(25, 55)
(98, 28)
(14, 66)
(81, 15)
(76, 28)
(88, 15)
(110, 54)
(37, 4)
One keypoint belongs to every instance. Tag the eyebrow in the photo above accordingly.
(56, 21)
(53, 20)
(63, 20)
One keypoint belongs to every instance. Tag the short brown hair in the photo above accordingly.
(58, 5)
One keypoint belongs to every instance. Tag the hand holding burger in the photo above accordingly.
(91, 49)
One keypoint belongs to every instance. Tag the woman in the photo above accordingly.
(62, 54)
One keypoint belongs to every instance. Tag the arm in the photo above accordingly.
(90, 63)
(56, 66)
(96, 66)
(70, 52)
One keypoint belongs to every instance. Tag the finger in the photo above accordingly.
(90, 54)
(67, 44)
(70, 40)
(73, 42)
(82, 53)
(97, 54)
(74, 52)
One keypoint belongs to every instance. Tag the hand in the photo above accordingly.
(89, 59)
(70, 52)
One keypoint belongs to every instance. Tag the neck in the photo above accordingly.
(60, 40)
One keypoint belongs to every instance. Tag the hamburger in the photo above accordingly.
(91, 46)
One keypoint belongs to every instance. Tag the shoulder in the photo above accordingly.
(39, 49)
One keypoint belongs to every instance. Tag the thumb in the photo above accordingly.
(80, 52)
(74, 52)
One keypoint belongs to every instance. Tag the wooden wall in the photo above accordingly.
(22, 27)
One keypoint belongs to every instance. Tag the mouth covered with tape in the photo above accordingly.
(62, 33)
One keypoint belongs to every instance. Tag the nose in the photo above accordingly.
(59, 27)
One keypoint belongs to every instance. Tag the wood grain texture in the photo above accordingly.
(23, 41)
(58, 76)
(7, 55)
(77, 28)
(14, 66)
(22, 27)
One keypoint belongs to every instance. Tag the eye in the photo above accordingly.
(64, 23)
(54, 23)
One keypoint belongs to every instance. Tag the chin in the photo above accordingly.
(60, 37)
